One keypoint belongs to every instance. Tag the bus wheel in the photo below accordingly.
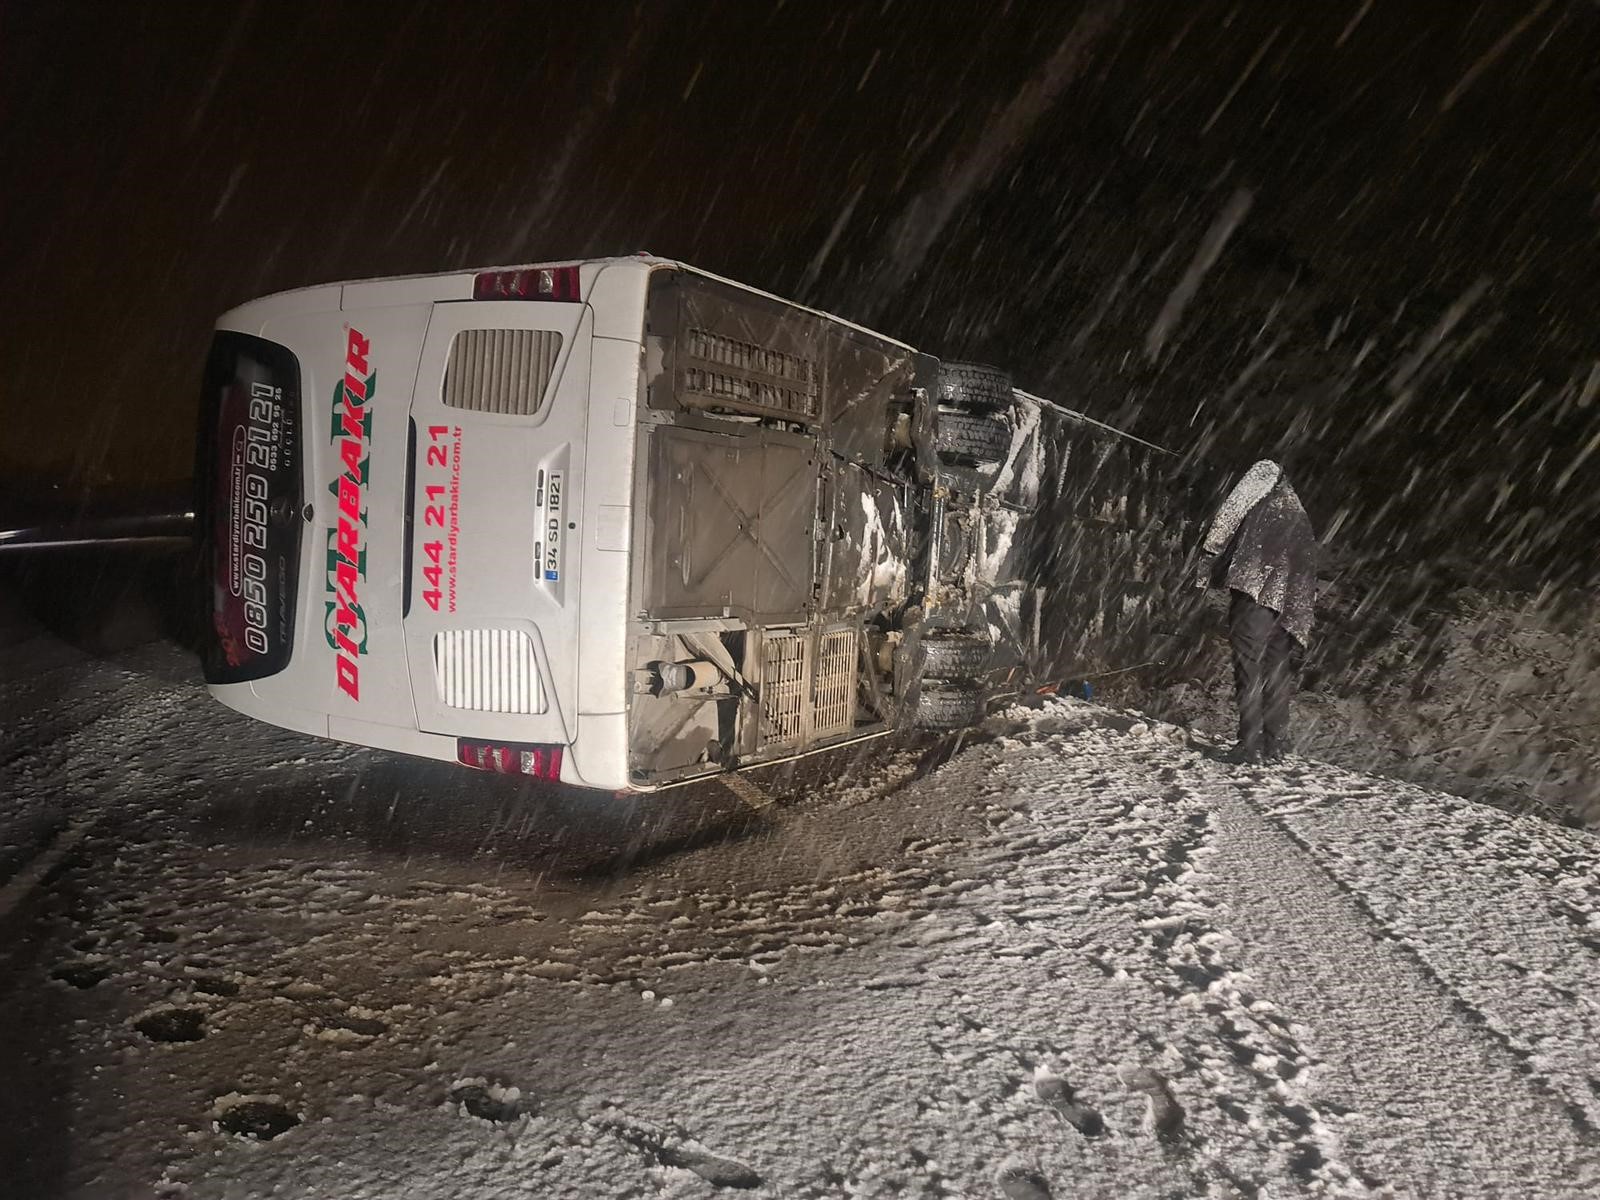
(980, 440)
(950, 705)
(973, 386)
(957, 656)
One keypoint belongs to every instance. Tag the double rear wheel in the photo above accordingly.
(952, 692)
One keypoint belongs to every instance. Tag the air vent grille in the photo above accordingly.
(834, 709)
(726, 372)
(783, 687)
(487, 670)
(501, 370)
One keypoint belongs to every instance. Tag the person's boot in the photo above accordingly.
(1242, 754)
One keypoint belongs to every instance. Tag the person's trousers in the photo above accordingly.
(1263, 672)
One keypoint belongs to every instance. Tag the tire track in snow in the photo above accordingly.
(1237, 937)
(695, 928)
(73, 706)
(1385, 1025)
(1245, 1051)
(1233, 1117)
(1580, 1110)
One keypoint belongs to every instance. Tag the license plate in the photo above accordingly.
(553, 521)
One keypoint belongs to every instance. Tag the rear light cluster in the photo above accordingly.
(510, 758)
(532, 283)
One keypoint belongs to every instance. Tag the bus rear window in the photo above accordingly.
(247, 504)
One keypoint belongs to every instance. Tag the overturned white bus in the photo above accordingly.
(619, 523)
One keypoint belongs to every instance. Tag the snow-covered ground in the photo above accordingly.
(1076, 959)
(1489, 695)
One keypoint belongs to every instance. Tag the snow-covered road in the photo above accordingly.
(1076, 959)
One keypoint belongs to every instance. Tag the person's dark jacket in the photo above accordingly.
(1261, 543)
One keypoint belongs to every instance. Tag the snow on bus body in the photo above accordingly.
(446, 620)
(419, 493)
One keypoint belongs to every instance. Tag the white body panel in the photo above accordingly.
(488, 510)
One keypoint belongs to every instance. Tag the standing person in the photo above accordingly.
(1262, 549)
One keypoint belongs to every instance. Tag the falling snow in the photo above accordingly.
(1077, 958)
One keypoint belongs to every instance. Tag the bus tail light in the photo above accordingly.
(510, 758)
(532, 283)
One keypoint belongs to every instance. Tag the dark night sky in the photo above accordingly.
(1023, 182)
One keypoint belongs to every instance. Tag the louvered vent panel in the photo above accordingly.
(487, 670)
(726, 371)
(501, 370)
(834, 708)
(783, 687)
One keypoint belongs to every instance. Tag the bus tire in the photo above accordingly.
(981, 440)
(956, 656)
(973, 386)
(950, 705)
